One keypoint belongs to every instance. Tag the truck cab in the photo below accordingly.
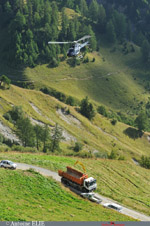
(90, 184)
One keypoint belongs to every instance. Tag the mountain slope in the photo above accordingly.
(122, 181)
(113, 79)
(99, 135)
(29, 196)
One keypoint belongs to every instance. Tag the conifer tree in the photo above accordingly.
(56, 138)
(93, 10)
(65, 23)
(25, 132)
(93, 42)
(101, 18)
(83, 8)
(45, 138)
(110, 32)
(145, 50)
(87, 109)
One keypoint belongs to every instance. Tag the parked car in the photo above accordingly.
(113, 206)
(8, 164)
(92, 197)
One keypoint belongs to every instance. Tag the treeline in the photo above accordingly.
(40, 137)
(118, 20)
(31, 24)
(27, 26)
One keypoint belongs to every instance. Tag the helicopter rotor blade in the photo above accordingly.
(85, 37)
(59, 42)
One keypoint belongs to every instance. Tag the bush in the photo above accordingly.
(5, 82)
(24, 149)
(121, 157)
(54, 63)
(114, 122)
(145, 162)
(85, 154)
(113, 155)
(68, 111)
(101, 155)
(4, 148)
(52, 92)
(73, 62)
(16, 113)
(70, 101)
(102, 110)
(1, 138)
(86, 60)
(93, 59)
(78, 147)
(87, 109)
(7, 116)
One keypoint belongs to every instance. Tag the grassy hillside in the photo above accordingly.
(98, 135)
(113, 79)
(27, 196)
(120, 180)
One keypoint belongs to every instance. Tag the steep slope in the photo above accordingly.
(122, 181)
(29, 196)
(114, 79)
(99, 135)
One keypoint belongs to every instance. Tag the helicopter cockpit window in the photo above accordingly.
(71, 50)
(87, 184)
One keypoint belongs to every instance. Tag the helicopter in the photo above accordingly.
(76, 47)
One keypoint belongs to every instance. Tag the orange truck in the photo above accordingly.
(78, 180)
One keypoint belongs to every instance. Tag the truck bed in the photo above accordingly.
(73, 175)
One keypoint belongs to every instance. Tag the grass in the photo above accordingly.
(110, 80)
(122, 181)
(101, 134)
(26, 196)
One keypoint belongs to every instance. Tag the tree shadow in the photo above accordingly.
(14, 73)
(133, 133)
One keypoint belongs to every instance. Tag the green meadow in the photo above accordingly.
(26, 196)
(122, 181)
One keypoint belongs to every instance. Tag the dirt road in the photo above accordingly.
(54, 175)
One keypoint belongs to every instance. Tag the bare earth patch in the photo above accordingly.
(8, 133)
(35, 108)
(68, 118)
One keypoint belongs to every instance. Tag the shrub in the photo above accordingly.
(121, 157)
(101, 155)
(145, 162)
(114, 122)
(23, 149)
(68, 111)
(16, 113)
(78, 147)
(93, 59)
(52, 92)
(113, 155)
(85, 154)
(102, 110)
(54, 62)
(86, 60)
(5, 82)
(4, 148)
(7, 116)
(87, 109)
(73, 61)
(70, 101)
(1, 138)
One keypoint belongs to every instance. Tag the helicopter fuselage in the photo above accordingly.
(75, 49)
